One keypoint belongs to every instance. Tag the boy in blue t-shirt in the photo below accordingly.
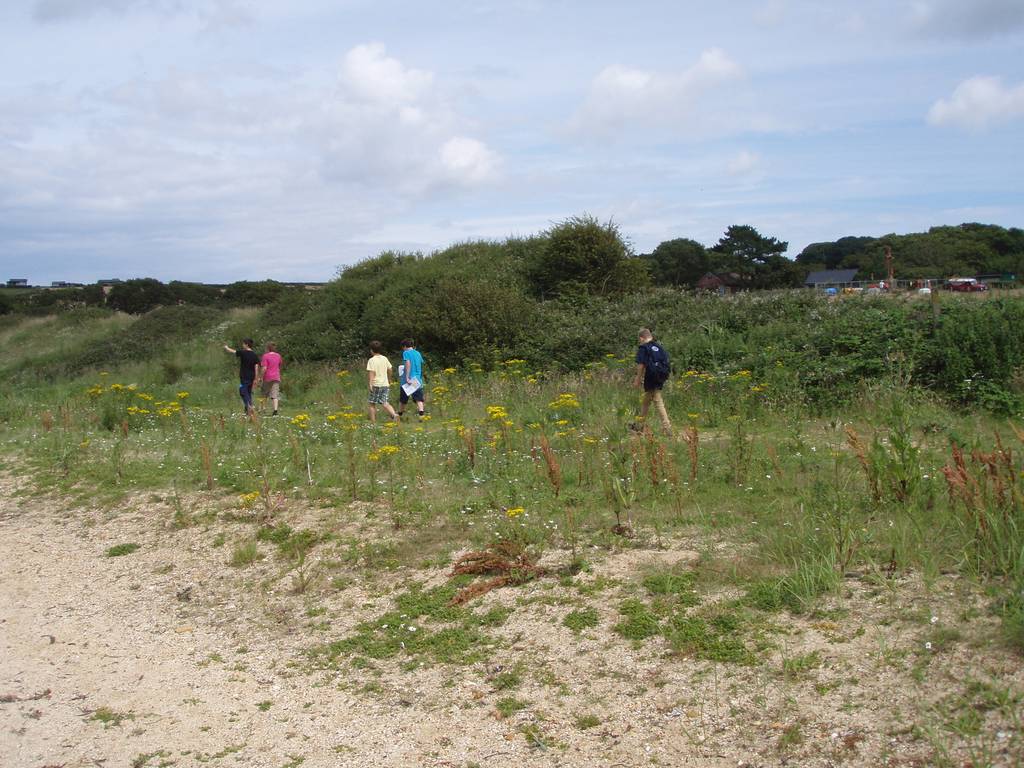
(412, 374)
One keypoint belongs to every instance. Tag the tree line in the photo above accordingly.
(140, 295)
(580, 256)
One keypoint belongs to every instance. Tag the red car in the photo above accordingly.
(966, 285)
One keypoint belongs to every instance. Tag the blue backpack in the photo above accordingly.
(658, 366)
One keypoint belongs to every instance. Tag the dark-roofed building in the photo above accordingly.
(722, 282)
(831, 278)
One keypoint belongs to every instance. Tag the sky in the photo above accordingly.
(223, 140)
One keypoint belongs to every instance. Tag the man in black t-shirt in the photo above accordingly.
(248, 367)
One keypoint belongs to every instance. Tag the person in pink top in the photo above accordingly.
(270, 375)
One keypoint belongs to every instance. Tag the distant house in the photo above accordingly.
(722, 282)
(64, 284)
(106, 285)
(17, 282)
(831, 278)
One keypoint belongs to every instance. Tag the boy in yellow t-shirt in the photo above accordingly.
(377, 368)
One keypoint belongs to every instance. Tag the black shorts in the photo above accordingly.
(416, 396)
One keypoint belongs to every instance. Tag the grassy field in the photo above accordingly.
(810, 564)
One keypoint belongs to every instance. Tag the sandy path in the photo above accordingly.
(220, 678)
(109, 634)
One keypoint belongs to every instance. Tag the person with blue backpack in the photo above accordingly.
(652, 371)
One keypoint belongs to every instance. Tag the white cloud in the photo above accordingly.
(208, 162)
(967, 18)
(371, 74)
(468, 161)
(392, 125)
(620, 96)
(979, 103)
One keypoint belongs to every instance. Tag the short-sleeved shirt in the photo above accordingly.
(380, 366)
(413, 362)
(643, 356)
(271, 364)
(248, 361)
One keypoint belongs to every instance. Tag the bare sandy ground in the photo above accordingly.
(168, 657)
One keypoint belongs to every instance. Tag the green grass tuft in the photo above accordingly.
(120, 550)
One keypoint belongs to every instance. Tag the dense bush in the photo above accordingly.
(581, 256)
(473, 302)
(245, 293)
(138, 296)
(977, 351)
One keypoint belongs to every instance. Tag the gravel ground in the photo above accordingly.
(168, 656)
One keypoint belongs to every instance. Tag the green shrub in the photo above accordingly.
(717, 642)
(639, 622)
(796, 592)
(119, 550)
(244, 554)
(584, 618)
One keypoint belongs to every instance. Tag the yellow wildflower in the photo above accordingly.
(564, 400)
(248, 499)
(497, 412)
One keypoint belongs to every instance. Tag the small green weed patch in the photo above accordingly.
(714, 640)
(120, 550)
(509, 705)
(640, 623)
(423, 625)
(584, 618)
(109, 717)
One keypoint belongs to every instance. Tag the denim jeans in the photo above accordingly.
(245, 392)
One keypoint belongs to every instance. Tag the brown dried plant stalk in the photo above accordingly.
(204, 452)
(854, 441)
(653, 459)
(469, 438)
(962, 486)
(554, 470)
(692, 439)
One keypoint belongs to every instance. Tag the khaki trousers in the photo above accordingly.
(654, 395)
